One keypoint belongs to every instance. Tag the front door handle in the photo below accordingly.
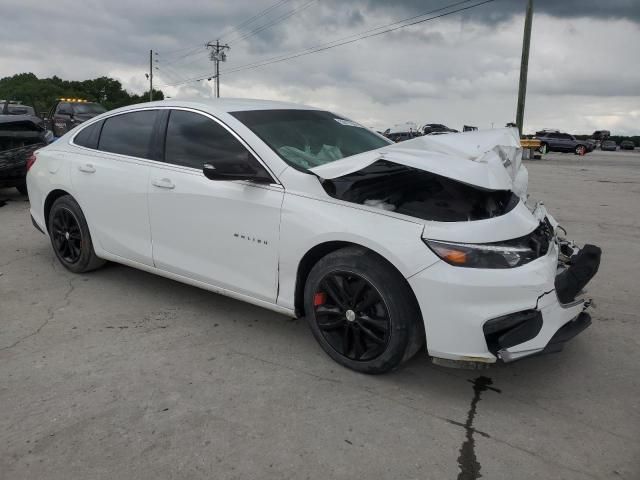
(163, 183)
(87, 168)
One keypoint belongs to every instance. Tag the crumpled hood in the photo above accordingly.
(490, 159)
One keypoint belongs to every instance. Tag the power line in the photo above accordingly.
(170, 72)
(359, 35)
(239, 26)
(339, 43)
(194, 51)
(177, 50)
(277, 20)
(199, 49)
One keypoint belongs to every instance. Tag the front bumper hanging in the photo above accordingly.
(567, 332)
(581, 269)
(506, 336)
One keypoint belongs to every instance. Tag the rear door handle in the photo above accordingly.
(87, 168)
(163, 183)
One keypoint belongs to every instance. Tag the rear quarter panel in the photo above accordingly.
(51, 171)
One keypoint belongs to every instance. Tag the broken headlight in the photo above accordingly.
(507, 254)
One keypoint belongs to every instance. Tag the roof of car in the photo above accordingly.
(224, 105)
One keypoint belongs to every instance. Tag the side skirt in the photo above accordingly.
(196, 283)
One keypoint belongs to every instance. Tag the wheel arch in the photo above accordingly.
(314, 254)
(48, 203)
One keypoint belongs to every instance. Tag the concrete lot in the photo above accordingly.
(119, 374)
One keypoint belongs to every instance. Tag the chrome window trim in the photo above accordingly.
(208, 115)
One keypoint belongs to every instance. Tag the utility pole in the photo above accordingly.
(218, 55)
(524, 66)
(151, 75)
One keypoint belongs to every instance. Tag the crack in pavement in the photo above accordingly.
(51, 315)
(551, 411)
(423, 412)
(467, 461)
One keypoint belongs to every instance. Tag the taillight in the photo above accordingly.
(30, 161)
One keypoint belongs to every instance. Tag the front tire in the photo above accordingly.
(581, 150)
(362, 312)
(70, 236)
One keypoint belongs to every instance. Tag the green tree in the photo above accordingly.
(42, 93)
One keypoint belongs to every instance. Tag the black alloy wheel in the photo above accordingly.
(352, 316)
(362, 311)
(66, 235)
(70, 237)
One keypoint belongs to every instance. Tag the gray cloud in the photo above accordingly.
(502, 10)
(460, 69)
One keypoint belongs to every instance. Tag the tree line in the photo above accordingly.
(41, 93)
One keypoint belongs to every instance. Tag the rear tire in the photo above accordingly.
(581, 150)
(23, 190)
(362, 312)
(543, 149)
(70, 236)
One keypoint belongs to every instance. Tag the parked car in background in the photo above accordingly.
(67, 113)
(9, 107)
(601, 135)
(551, 141)
(436, 127)
(384, 248)
(627, 145)
(20, 136)
(401, 136)
(609, 146)
(402, 132)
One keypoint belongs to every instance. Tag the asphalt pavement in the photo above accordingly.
(120, 374)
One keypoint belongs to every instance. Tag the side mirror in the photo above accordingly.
(233, 170)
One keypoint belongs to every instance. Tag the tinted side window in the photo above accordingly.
(128, 134)
(193, 140)
(88, 136)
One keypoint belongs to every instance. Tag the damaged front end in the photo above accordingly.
(418, 193)
(516, 288)
(560, 313)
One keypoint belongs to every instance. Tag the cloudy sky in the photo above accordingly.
(584, 72)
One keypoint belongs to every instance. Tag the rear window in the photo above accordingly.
(128, 134)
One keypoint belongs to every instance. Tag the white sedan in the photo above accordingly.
(384, 248)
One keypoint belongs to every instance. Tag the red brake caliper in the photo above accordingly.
(320, 298)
